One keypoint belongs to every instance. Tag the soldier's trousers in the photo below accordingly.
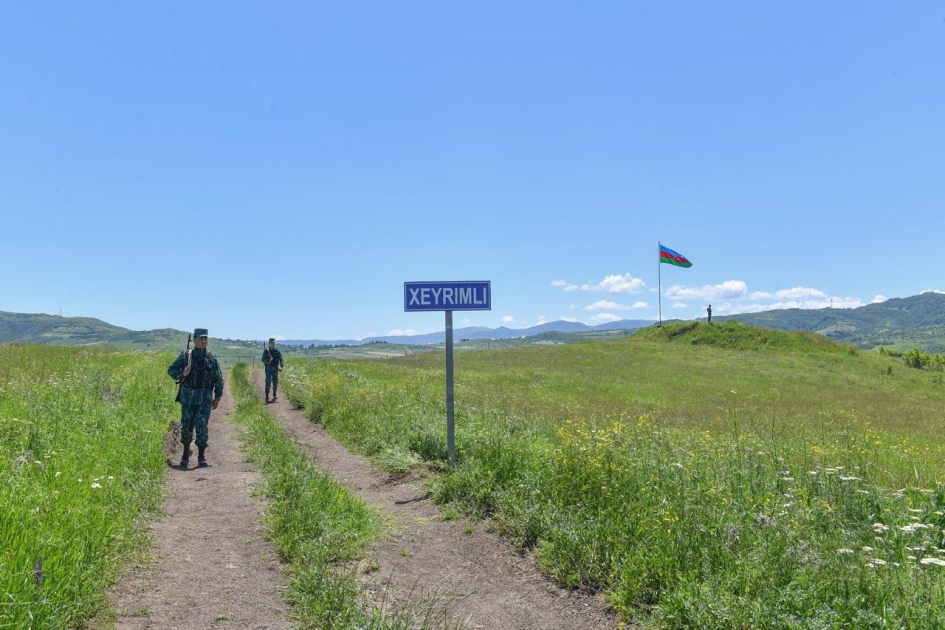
(272, 378)
(194, 417)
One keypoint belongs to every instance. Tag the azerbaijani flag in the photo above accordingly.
(670, 257)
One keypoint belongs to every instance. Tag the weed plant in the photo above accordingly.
(714, 484)
(81, 468)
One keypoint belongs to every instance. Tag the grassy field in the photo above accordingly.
(81, 465)
(317, 525)
(701, 476)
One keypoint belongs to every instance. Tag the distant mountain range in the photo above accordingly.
(479, 332)
(917, 321)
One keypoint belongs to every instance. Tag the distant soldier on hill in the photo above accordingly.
(272, 359)
(201, 388)
(709, 311)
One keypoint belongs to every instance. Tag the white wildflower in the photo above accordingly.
(849, 478)
(96, 485)
(916, 511)
(58, 472)
(844, 551)
(879, 527)
(876, 562)
(930, 560)
(867, 549)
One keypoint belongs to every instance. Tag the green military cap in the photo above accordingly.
(200, 332)
(272, 340)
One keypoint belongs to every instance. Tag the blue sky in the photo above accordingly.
(283, 169)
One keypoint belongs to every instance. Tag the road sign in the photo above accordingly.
(463, 295)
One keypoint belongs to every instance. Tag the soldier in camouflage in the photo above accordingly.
(201, 387)
(272, 359)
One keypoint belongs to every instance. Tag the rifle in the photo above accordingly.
(189, 357)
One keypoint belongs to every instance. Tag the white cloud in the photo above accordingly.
(369, 335)
(572, 306)
(603, 318)
(616, 284)
(799, 293)
(541, 320)
(730, 289)
(400, 333)
(567, 319)
(680, 305)
(879, 299)
(564, 284)
(933, 291)
(836, 302)
(279, 337)
(604, 305)
(465, 321)
(508, 319)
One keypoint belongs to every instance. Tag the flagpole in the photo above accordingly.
(659, 282)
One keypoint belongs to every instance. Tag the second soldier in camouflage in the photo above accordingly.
(272, 359)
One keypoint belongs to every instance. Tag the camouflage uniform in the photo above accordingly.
(272, 359)
(197, 392)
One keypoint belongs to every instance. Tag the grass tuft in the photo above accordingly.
(81, 467)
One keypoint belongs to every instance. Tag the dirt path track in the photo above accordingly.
(493, 586)
(213, 567)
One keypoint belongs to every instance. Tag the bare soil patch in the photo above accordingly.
(487, 582)
(212, 567)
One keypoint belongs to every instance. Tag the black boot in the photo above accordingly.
(185, 457)
(201, 460)
(267, 398)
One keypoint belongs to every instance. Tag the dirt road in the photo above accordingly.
(213, 567)
(487, 583)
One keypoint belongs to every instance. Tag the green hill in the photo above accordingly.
(42, 329)
(917, 321)
(738, 336)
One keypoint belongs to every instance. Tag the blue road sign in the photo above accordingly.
(448, 296)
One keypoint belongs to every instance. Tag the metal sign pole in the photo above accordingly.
(450, 435)
(461, 295)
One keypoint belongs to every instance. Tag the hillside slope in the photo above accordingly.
(916, 321)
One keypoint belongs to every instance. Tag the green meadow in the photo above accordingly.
(700, 476)
(81, 466)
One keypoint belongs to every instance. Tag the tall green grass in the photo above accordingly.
(81, 467)
(697, 486)
(317, 524)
